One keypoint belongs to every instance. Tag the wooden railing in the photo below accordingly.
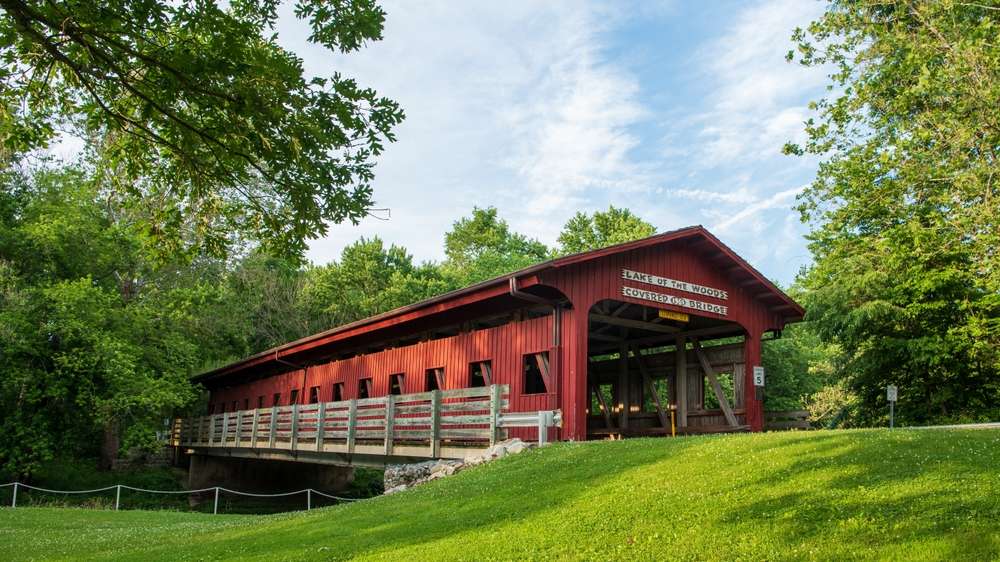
(792, 419)
(431, 424)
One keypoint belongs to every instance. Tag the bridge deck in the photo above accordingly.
(450, 424)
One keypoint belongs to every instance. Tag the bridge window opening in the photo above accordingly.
(246, 403)
(709, 400)
(235, 405)
(431, 380)
(396, 384)
(480, 374)
(260, 401)
(338, 391)
(293, 398)
(222, 407)
(364, 388)
(602, 398)
(536, 373)
(314, 395)
(211, 409)
(277, 399)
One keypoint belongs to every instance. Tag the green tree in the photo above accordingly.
(906, 276)
(483, 246)
(197, 116)
(602, 229)
(97, 344)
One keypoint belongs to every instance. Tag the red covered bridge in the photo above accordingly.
(593, 335)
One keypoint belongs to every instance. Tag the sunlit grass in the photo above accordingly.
(837, 495)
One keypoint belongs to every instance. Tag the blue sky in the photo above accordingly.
(676, 110)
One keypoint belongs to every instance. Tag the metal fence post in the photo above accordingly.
(309, 499)
(118, 496)
(215, 507)
(13, 501)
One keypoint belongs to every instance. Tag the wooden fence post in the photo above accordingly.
(320, 420)
(435, 433)
(239, 427)
(225, 427)
(352, 418)
(295, 427)
(273, 437)
(254, 427)
(494, 411)
(390, 412)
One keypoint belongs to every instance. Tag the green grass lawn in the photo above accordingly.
(827, 495)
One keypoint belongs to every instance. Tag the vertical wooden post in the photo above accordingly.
(225, 427)
(295, 426)
(211, 430)
(680, 374)
(390, 411)
(352, 419)
(494, 412)
(239, 427)
(254, 428)
(435, 433)
(623, 387)
(320, 421)
(273, 437)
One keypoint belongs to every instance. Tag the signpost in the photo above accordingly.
(891, 392)
(758, 382)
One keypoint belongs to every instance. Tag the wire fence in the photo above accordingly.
(221, 498)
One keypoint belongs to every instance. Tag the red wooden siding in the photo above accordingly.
(696, 257)
(504, 346)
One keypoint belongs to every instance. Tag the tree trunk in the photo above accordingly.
(109, 445)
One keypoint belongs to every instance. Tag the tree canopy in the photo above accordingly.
(196, 116)
(601, 229)
(904, 208)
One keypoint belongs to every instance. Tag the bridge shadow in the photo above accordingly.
(431, 512)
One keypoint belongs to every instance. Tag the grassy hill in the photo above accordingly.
(906, 495)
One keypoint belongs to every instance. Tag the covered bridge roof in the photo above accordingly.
(725, 258)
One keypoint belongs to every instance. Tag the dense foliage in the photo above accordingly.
(196, 116)
(905, 207)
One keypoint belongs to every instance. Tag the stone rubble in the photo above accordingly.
(399, 477)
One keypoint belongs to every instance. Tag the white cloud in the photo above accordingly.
(749, 214)
(757, 100)
(507, 104)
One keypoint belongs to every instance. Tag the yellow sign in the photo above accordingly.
(671, 315)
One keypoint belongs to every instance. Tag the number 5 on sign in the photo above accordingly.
(758, 376)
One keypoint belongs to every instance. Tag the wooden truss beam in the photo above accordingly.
(639, 324)
(648, 382)
(542, 359)
(596, 389)
(710, 373)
